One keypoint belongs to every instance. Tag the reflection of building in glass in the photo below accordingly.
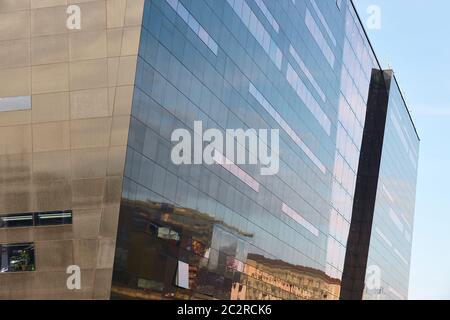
(150, 232)
(86, 119)
(265, 279)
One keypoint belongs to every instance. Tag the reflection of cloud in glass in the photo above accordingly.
(15, 103)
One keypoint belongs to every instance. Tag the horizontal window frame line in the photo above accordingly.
(319, 38)
(144, 59)
(282, 123)
(139, 120)
(213, 46)
(333, 125)
(297, 217)
(292, 149)
(324, 22)
(259, 226)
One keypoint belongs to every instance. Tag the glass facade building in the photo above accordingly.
(244, 64)
(93, 121)
(379, 244)
(390, 245)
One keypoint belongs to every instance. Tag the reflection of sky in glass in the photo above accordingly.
(422, 69)
(15, 103)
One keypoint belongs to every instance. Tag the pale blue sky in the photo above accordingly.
(413, 40)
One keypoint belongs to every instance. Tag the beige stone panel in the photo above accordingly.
(14, 25)
(135, 10)
(130, 41)
(89, 163)
(116, 13)
(16, 235)
(114, 37)
(47, 3)
(113, 190)
(102, 284)
(48, 21)
(15, 168)
(16, 198)
(52, 285)
(88, 193)
(15, 82)
(50, 49)
(14, 53)
(51, 166)
(93, 15)
(88, 45)
(91, 103)
(16, 284)
(113, 71)
(56, 281)
(109, 222)
(90, 133)
(86, 225)
(127, 70)
(116, 161)
(50, 78)
(15, 139)
(52, 195)
(123, 100)
(106, 249)
(50, 107)
(14, 5)
(51, 136)
(111, 95)
(48, 233)
(119, 130)
(14, 118)
(45, 285)
(53, 255)
(88, 74)
(85, 253)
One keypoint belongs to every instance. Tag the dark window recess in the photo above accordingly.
(16, 220)
(20, 220)
(17, 257)
(53, 218)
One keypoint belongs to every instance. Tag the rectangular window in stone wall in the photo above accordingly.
(17, 257)
(36, 219)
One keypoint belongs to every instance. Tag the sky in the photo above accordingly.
(413, 40)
